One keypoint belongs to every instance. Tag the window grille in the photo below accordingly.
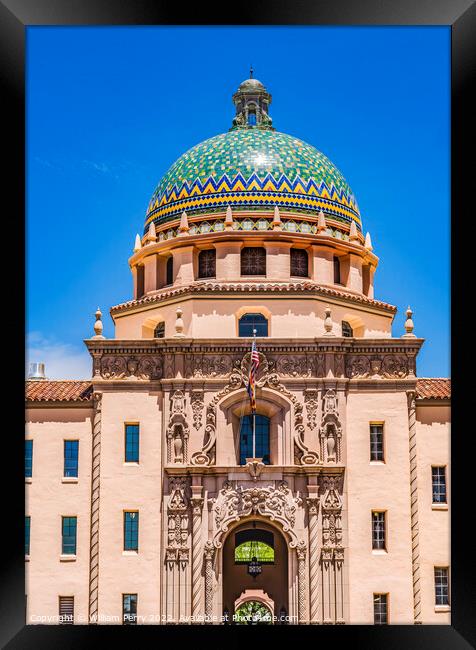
(253, 261)
(207, 264)
(299, 263)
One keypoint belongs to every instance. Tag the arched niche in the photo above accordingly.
(269, 403)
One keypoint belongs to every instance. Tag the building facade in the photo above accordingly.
(156, 494)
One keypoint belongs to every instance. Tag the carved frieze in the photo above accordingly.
(212, 366)
(115, 366)
(388, 366)
(294, 366)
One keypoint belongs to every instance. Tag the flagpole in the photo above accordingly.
(254, 414)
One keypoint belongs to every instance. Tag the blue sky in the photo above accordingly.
(109, 109)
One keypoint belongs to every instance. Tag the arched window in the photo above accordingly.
(159, 331)
(253, 261)
(207, 264)
(299, 263)
(254, 543)
(252, 118)
(336, 270)
(250, 322)
(261, 438)
(169, 271)
(347, 329)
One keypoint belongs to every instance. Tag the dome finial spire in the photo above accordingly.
(251, 71)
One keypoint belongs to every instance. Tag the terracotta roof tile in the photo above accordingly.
(46, 390)
(434, 387)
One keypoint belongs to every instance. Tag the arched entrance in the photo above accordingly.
(255, 571)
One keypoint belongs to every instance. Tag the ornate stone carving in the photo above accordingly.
(388, 366)
(266, 377)
(339, 365)
(395, 365)
(209, 554)
(196, 400)
(331, 512)
(177, 433)
(233, 503)
(294, 366)
(178, 521)
(320, 365)
(138, 367)
(330, 430)
(212, 366)
(301, 551)
(311, 402)
(357, 366)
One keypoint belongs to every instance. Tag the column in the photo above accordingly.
(277, 260)
(414, 508)
(322, 265)
(228, 260)
(94, 532)
(209, 555)
(197, 556)
(150, 273)
(354, 277)
(313, 511)
(183, 265)
(302, 582)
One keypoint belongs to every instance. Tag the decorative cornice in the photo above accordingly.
(213, 287)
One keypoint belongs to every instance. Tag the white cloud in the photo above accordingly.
(62, 360)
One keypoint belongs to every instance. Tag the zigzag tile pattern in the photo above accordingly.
(249, 169)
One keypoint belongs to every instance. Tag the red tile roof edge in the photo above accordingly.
(52, 390)
(433, 388)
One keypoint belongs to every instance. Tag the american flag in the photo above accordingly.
(252, 376)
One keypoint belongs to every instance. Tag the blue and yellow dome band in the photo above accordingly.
(246, 193)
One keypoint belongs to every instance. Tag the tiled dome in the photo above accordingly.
(252, 167)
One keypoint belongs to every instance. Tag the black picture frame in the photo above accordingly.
(15, 16)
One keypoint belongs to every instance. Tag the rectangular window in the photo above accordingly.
(380, 609)
(441, 586)
(71, 451)
(27, 535)
(66, 610)
(378, 530)
(131, 531)
(129, 609)
(438, 479)
(376, 442)
(28, 458)
(68, 530)
(132, 443)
